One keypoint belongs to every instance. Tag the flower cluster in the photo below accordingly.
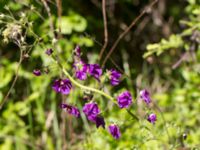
(82, 69)
(91, 109)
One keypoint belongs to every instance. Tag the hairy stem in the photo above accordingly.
(85, 87)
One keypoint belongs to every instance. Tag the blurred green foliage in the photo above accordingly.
(31, 119)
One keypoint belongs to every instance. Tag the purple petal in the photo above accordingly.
(114, 76)
(152, 118)
(77, 51)
(95, 71)
(100, 122)
(71, 109)
(49, 51)
(74, 111)
(37, 72)
(62, 86)
(91, 110)
(63, 106)
(80, 70)
(145, 96)
(124, 99)
(114, 131)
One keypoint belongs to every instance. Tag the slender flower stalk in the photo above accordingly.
(85, 87)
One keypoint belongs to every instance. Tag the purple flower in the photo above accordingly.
(145, 96)
(124, 99)
(62, 86)
(152, 118)
(114, 77)
(81, 70)
(91, 110)
(95, 71)
(49, 51)
(71, 110)
(114, 131)
(77, 51)
(100, 122)
(37, 72)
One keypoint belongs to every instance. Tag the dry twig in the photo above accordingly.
(50, 17)
(127, 30)
(105, 29)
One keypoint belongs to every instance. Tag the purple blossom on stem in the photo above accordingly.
(95, 71)
(114, 131)
(152, 118)
(62, 86)
(37, 72)
(71, 109)
(145, 96)
(124, 99)
(81, 70)
(100, 122)
(77, 51)
(114, 77)
(91, 110)
(49, 51)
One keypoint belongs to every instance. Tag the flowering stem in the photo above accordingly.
(80, 85)
(96, 91)
(134, 116)
(85, 87)
(89, 88)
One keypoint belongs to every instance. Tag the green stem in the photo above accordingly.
(85, 87)
(134, 116)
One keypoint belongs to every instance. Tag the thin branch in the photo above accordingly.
(50, 17)
(182, 58)
(59, 12)
(105, 29)
(127, 30)
(14, 81)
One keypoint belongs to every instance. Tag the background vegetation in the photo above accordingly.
(160, 53)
